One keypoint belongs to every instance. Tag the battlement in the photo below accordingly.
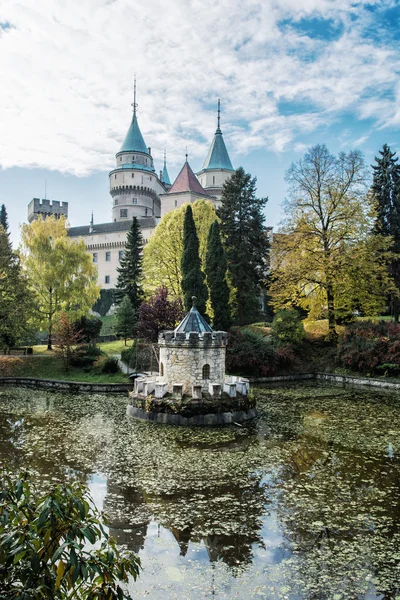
(46, 208)
(206, 338)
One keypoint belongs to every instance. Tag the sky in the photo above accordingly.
(290, 74)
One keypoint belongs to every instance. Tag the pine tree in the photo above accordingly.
(126, 319)
(130, 269)
(4, 217)
(216, 268)
(386, 191)
(246, 243)
(193, 278)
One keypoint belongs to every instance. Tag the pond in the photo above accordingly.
(303, 504)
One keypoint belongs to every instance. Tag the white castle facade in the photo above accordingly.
(138, 190)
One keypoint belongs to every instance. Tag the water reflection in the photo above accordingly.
(305, 504)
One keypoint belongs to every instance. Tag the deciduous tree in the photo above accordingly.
(60, 272)
(193, 278)
(216, 271)
(159, 313)
(245, 242)
(386, 192)
(163, 253)
(67, 338)
(325, 258)
(130, 271)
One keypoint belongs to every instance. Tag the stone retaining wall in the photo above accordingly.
(346, 379)
(70, 386)
(209, 420)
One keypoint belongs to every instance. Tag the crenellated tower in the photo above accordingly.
(135, 186)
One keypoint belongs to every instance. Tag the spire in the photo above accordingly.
(91, 220)
(218, 157)
(134, 141)
(165, 176)
(187, 182)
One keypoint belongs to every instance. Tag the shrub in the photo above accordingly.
(249, 353)
(287, 327)
(107, 364)
(10, 366)
(370, 347)
(85, 355)
(89, 328)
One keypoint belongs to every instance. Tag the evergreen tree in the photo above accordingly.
(216, 268)
(193, 278)
(386, 192)
(4, 217)
(246, 243)
(130, 269)
(126, 319)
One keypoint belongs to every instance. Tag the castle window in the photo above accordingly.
(145, 212)
(151, 179)
(123, 213)
(134, 200)
(176, 202)
(116, 201)
(120, 158)
(213, 178)
(206, 372)
(133, 159)
(95, 257)
(133, 174)
(107, 279)
(120, 254)
(161, 369)
(108, 256)
(115, 176)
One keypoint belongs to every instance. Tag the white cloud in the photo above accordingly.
(67, 71)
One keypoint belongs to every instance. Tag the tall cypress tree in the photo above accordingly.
(386, 191)
(216, 269)
(193, 278)
(129, 282)
(4, 217)
(246, 243)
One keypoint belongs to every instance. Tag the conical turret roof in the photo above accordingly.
(165, 175)
(193, 322)
(134, 141)
(218, 157)
(187, 182)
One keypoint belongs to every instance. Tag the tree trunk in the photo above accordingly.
(49, 339)
(395, 308)
(332, 334)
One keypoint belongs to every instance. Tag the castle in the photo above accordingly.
(138, 190)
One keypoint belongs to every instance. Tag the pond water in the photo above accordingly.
(303, 504)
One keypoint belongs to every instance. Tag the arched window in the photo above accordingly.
(206, 372)
(161, 369)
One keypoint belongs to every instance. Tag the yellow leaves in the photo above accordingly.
(60, 573)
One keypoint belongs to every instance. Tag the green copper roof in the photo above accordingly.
(218, 157)
(193, 322)
(165, 176)
(134, 141)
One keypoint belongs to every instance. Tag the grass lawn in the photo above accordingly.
(114, 347)
(51, 367)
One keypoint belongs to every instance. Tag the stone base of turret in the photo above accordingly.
(207, 420)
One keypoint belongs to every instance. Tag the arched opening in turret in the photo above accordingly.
(161, 369)
(206, 371)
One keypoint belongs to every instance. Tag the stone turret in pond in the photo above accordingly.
(192, 388)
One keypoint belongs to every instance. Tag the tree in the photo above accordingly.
(60, 272)
(159, 314)
(162, 255)
(15, 298)
(325, 258)
(44, 549)
(126, 319)
(130, 269)
(386, 192)
(193, 278)
(245, 242)
(67, 338)
(89, 328)
(4, 217)
(216, 269)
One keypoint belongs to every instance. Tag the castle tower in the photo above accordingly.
(217, 166)
(186, 188)
(134, 184)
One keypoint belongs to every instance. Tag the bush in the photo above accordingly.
(287, 327)
(44, 550)
(107, 364)
(85, 355)
(250, 353)
(369, 347)
(104, 302)
(89, 328)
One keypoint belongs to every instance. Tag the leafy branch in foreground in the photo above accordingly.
(44, 552)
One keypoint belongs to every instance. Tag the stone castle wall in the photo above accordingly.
(184, 361)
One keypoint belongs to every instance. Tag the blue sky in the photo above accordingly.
(290, 74)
